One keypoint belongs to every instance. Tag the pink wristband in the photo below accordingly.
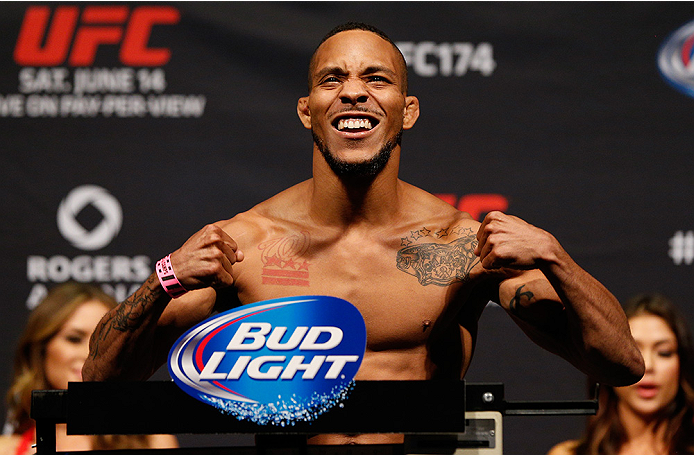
(168, 279)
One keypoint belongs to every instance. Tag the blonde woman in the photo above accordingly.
(51, 352)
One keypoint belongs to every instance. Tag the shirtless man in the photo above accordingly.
(420, 271)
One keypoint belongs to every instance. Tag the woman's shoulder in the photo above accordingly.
(564, 448)
(9, 444)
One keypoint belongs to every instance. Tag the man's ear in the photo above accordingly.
(304, 112)
(411, 113)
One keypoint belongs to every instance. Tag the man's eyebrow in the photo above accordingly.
(380, 69)
(368, 70)
(330, 70)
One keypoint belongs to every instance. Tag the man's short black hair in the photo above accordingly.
(347, 26)
(356, 26)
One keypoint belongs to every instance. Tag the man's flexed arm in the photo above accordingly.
(131, 341)
(558, 304)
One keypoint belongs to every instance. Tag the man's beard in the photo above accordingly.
(368, 168)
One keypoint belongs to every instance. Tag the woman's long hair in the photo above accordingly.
(605, 433)
(45, 321)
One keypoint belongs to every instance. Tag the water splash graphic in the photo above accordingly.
(283, 412)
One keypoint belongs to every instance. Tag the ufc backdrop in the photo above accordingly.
(126, 127)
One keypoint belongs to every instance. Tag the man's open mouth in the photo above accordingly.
(355, 124)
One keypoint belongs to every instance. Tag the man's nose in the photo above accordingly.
(354, 92)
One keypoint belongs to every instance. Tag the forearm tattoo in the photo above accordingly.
(440, 264)
(125, 317)
(514, 304)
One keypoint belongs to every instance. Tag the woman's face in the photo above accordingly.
(68, 349)
(660, 383)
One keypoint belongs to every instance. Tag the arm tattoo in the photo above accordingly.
(124, 318)
(440, 264)
(514, 304)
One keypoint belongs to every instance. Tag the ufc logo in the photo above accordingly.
(476, 204)
(41, 45)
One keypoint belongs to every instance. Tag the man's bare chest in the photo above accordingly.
(402, 284)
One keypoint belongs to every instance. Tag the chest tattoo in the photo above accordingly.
(437, 263)
(283, 260)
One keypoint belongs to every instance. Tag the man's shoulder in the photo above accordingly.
(286, 204)
(275, 213)
(249, 224)
(424, 204)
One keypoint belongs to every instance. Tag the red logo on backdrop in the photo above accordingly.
(476, 204)
(39, 44)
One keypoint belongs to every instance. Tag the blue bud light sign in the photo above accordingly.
(275, 362)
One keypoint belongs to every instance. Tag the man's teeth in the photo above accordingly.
(353, 124)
